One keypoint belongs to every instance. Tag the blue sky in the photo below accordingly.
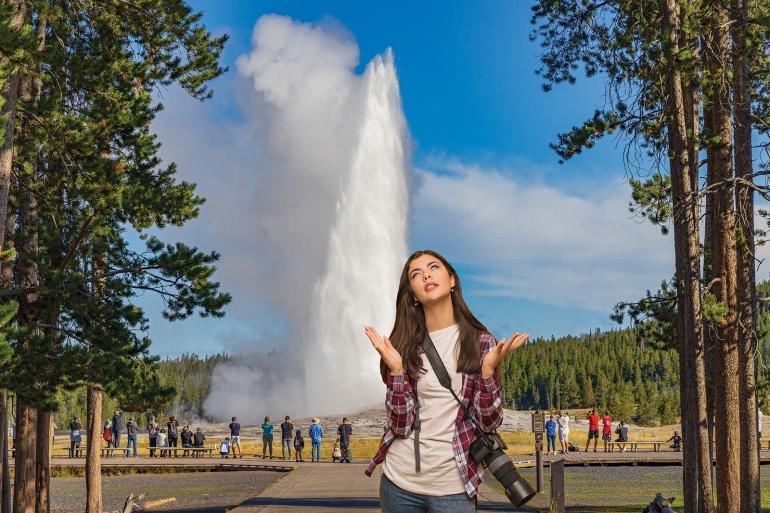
(555, 255)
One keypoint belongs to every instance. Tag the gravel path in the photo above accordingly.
(196, 492)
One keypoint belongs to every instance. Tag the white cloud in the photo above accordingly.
(534, 241)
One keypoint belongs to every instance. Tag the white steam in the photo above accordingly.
(333, 205)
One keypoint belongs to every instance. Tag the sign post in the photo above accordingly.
(538, 427)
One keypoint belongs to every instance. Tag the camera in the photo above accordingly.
(488, 450)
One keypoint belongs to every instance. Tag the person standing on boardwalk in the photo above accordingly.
(427, 465)
(759, 422)
(173, 433)
(75, 437)
(117, 425)
(550, 435)
(235, 437)
(316, 432)
(287, 430)
(299, 444)
(267, 437)
(152, 435)
(606, 430)
(131, 433)
(593, 429)
(562, 419)
(107, 433)
(345, 430)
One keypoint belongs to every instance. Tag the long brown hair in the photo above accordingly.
(409, 329)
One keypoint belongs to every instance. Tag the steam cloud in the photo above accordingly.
(330, 215)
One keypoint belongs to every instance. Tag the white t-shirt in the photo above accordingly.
(438, 474)
(563, 421)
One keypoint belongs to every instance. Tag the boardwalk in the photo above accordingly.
(329, 488)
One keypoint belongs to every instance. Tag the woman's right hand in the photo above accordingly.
(388, 353)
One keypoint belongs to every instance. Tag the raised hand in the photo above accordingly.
(388, 353)
(497, 354)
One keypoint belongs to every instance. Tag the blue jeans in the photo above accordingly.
(131, 440)
(315, 451)
(397, 500)
(551, 442)
(286, 448)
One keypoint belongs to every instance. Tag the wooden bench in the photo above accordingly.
(633, 445)
(110, 451)
(194, 452)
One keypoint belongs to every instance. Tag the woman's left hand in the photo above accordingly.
(497, 354)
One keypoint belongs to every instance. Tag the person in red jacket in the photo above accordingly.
(593, 429)
(606, 430)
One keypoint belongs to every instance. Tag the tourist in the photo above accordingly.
(224, 448)
(131, 431)
(287, 429)
(152, 435)
(267, 438)
(199, 438)
(345, 430)
(316, 433)
(606, 430)
(593, 429)
(759, 423)
(563, 421)
(235, 437)
(117, 425)
(622, 432)
(186, 437)
(173, 433)
(163, 442)
(107, 433)
(429, 302)
(299, 444)
(550, 435)
(677, 446)
(75, 437)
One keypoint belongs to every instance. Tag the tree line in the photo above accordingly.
(686, 87)
(80, 180)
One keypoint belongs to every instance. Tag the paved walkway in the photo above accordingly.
(331, 488)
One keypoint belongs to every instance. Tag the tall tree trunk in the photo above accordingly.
(9, 93)
(6, 273)
(686, 244)
(43, 462)
(696, 355)
(93, 450)
(727, 369)
(744, 200)
(24, 477)
(5, 481)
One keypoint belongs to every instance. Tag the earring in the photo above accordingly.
(451, 289)
(416, 303)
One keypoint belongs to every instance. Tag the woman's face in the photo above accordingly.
(429, 279)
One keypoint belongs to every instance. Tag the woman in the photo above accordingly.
(267, 437)
(429, 301)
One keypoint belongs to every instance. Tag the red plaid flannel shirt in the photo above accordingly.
(485, 406)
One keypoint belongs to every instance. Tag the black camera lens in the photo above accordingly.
(517, 489)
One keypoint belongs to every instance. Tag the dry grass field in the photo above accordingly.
(519, 443)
